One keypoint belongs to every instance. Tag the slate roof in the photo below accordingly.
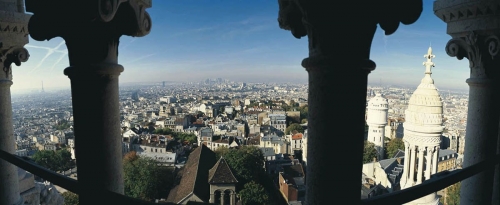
(267, 151)
(446, 152)
(442, 153)
(292, 173)
(194, 176)
(399, 153)
(221, 173)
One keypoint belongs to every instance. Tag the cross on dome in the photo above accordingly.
(429, 64)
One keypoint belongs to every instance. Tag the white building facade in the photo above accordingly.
(422, 137)
(376, 120)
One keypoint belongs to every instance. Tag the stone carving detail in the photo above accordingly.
(108, 8)
(15, 55)
(326, 25)
(422, 140)
(13, 28)
(469, 12)
(290, 18)
(91, 29)
(482, 51)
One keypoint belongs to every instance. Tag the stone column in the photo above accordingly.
(496, 179)
(428, 162)
(412, 164)
(406, 163)
(92, 31)
(338, 65)
(212, 197)
(421, 159)
(475, 37)
(222, 194)
(435, 160)
(13, 37)
(483, 111)
(233, 198)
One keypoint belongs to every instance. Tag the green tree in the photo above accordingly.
(247, 162)
(59, 160)
(393, 146)
(253, 194)
(144, 179)
(369, 152)
(222, 109)
(186, 137)
(453, 194)
(70, 198)
(163, 131)
(62, 125)
(304, 111)
(221, 151)
(294, 126)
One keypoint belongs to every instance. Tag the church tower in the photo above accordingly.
(423, 129)
(377, 119)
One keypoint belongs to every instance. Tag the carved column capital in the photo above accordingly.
(91, 28)
(16, 55)
(13, 37)
(334, 29)
(482, 51)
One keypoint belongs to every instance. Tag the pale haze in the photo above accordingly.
(192, 40)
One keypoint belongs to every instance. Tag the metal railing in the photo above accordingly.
(64, 181)
(437, 182)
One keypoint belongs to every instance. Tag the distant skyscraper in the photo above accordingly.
(135, 95)
(163, 83)
(376, 120)
(422, 136)
(42, 87)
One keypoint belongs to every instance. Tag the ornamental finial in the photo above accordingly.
(429, 64)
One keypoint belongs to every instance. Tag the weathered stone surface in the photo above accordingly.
(91, 29)
(13, 37)
(346, 25)
(474, 26)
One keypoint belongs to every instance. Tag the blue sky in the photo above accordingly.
(240, 40)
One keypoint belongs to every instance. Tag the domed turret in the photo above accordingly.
(422, 133)
(376, 119)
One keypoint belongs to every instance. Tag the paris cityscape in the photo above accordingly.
(165, 121)
(260, 102)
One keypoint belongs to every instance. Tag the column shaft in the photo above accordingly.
(435, 160)
(322, 85)
(9, 184)
(406, 169)
(421, 159)
(12, 51)
(429, 164)
(496, 179)
(412, 165)
(222, 194)
(482, 132)
(94, 91)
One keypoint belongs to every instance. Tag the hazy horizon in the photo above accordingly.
(242, 41)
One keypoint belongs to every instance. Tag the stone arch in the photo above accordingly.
(228, 195)
(217, 196)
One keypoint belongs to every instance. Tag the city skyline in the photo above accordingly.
(243, 42)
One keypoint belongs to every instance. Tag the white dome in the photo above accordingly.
(424, 116)
(378, 102)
